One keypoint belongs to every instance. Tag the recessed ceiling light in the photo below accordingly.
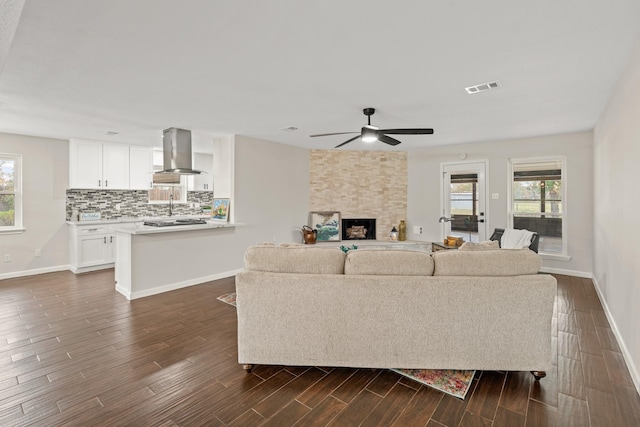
(111, 133)
(483, 86)
(289, 129)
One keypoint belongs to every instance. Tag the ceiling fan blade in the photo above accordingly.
(348, 141)
(425, 131)
(388, 140)
(329, 134)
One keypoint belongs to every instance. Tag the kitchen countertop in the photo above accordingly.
(147, 229)
(131, 219)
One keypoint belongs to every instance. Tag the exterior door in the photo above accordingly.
(464, 201)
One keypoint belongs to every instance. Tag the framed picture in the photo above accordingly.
(328, 225)
(220, 210)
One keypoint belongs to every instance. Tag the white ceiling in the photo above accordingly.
(77, 69)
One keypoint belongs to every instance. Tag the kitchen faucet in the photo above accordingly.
(170, 204)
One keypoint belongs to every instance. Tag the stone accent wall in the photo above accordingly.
(360, 184)
(133, 203)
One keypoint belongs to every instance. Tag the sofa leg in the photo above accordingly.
(247, 367)
(538, 374)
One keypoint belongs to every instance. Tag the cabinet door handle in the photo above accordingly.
(111, 239)
(151, 185)
(105, 240)
(99, 183)
(106, 183)
(92, 229)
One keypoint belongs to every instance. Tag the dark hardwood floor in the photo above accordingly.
(75, 352)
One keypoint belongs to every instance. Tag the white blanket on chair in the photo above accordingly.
(515, 239)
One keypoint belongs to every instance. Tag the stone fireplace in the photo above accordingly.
(359, 229)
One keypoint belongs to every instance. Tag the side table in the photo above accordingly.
(441, 247)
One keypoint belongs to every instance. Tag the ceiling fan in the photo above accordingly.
(371, 133)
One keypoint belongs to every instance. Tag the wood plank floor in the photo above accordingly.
(75, 352)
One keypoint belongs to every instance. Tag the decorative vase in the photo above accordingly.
(310, 235)
(402, 231)
(393, 236)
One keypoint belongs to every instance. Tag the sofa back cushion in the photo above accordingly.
(305, 259)
(498, 262)
(388, 262)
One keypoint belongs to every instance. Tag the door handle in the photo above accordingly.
(481, 220)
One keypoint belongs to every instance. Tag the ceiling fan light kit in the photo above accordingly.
(369, 133)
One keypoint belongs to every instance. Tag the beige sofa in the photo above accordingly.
(314, 306)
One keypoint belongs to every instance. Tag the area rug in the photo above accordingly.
(455, 383)
(228, 298)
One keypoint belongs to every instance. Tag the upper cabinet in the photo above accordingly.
(115, 166)
(108, 166)
(140, 168)
(85, 164)
(203, 182)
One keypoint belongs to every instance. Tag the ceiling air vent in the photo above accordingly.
(289, 129)
(483, 86)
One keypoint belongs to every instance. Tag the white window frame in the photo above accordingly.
(17, 194)
(562, 256)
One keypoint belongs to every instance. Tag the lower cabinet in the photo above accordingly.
(92, 247)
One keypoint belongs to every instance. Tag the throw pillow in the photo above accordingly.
(483, 246)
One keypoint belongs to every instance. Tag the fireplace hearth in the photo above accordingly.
(359, 229)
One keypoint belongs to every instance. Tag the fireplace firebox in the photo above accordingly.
(359, 229)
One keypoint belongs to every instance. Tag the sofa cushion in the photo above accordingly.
(294, 259)
(388, 262)
(497, 262)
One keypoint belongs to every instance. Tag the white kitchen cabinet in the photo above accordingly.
(85, 164)
(115, 166)
(93, 246)
(98, 165)
(140, 168)
(203, 182)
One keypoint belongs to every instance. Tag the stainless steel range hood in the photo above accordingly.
(177, 152)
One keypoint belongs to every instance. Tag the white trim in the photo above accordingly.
(555, 257)
(80, 270)
(635, 376)
(12, 230)
(550, 270)
(563, 256)
(34, 272)
(175, 286)
(17, 226)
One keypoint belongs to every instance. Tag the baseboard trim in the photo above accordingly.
(175, 286)
(34, 272)
(80, 270)
(585, 274)
(635, 376)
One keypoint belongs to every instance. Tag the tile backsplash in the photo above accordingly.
(133, 203)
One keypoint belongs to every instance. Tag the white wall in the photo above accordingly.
(424, 204)
(270, 191)
(45, 177)
(616, 207)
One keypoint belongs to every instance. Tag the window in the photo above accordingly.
(10, 193)
(538, 201)
(166, 185)
(464, 202)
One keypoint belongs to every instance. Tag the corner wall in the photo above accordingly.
(425, 193)
(45, 178)
(360, 184)
(616, 205)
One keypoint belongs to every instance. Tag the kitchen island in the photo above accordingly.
(151, 260)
